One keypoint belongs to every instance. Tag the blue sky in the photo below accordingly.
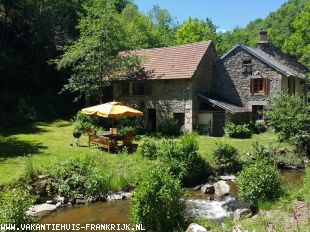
(226, 14)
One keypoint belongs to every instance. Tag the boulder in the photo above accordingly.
(197, 187)
(221, 188)
(41, 209)
(196, 228)
(228, 178)
(58, 204)
(115, 197)
(80, 201)
(58, 198)
(40, 187)
(241, 214)
(49, 202)
(207, 189)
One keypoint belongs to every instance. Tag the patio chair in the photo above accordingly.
(101, 141)
(113, 131)
(127, 140)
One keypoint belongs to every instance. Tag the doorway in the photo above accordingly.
(152, 119)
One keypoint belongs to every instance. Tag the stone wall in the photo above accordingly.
(232, 84)
(167, 96)
(202, 80)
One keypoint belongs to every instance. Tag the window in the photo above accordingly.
(141, 89)
(259, 85)
(124, 89)
(291, 86)
(258, 112)
(247, 67)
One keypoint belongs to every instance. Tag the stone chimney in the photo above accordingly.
(263, 37)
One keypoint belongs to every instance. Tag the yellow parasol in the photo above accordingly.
(111, 110)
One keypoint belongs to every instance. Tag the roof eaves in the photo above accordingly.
(264, 60)
(257, 56)
(215, 103)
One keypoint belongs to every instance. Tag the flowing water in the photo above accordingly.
(198, 205)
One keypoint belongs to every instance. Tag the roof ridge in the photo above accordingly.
(173, 46)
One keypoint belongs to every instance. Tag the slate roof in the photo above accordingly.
(175, 62)
(273, 61)
(221, 103)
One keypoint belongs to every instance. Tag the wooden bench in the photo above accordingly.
(101, 141)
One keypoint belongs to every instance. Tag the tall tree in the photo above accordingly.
(94, 56)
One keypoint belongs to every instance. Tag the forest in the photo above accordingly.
(52, 52)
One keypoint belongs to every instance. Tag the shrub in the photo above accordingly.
(289, 116)
(124, 130)
(81, 122)
(159, 202)
(78, 176)
(148, 148)
(14, 205)
(135, 123)
(169, 126)
(182, 156)
(238, 131)
(258, 126)
(259, 181)
(227, 157)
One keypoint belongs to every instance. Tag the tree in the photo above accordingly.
(94, 58)
(298, 43)
(159, 202)
(195, 30)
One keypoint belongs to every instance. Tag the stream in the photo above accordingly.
(198, 205)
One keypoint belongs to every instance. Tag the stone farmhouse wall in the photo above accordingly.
(231, 84)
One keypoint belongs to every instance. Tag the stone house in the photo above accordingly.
(203, 91)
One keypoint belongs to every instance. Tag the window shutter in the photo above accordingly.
(267, 85)
(251, 86)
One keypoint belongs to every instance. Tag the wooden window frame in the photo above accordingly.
(260, 88)
(247, 69)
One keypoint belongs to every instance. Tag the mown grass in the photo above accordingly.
(48, 143)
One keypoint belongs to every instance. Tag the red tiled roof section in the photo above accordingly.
(175, 62)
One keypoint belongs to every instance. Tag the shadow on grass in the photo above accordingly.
(33, 128)
(12, 147)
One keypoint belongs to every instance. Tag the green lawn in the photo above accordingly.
(50, 142)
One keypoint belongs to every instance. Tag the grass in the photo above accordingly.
(48, 143)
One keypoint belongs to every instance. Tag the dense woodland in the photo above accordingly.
(53, 52)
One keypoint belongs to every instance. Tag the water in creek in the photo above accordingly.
(117, 211)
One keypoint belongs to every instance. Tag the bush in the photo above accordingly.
(238, 131)
(169, 126)
(182, 157)
(289, 116)
(258, 127)
(148, 148)
(78, 176)
(14, 205)
(124, 130)
(259, 181)
(227, 157)
(81, 122)
(158, 202)
(135, 123)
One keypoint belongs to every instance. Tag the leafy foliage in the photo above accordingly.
(159, 202)
(238, 131)
(259, 181)
(169, 125)
(79, 176)
(227, 157)
(148, 148)
(258, 126)
(289, 116)
(81, 122)
(135, 123)
(182, 157)
(14, 205)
